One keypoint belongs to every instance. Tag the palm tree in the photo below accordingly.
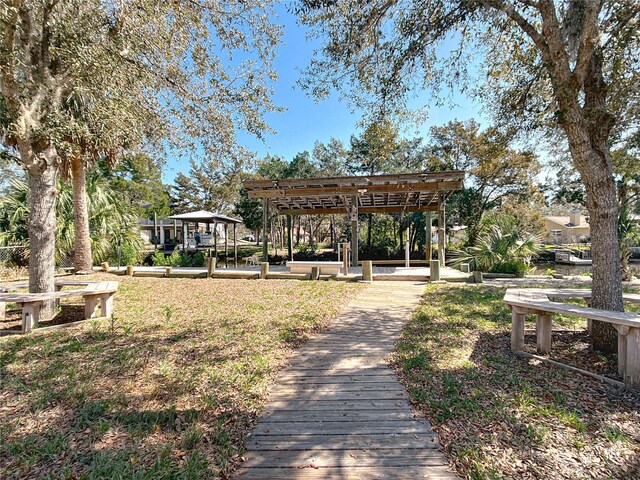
(503, 243)
(110, 219)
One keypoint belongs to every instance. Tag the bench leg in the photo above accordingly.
(632, 358)
(30, 316)
(56, 302)
(517, 329)
(106, 306)
(90, 304)
(543, 333)
(622, 353)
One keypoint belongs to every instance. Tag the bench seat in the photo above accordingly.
(326, 268)
(93, 293)
(538, 301)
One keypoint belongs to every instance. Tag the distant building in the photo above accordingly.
(572, 229)
(170, 232)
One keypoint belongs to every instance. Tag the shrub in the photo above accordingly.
(513, 267)
(158, 259)
(504, 243)
(132, 254)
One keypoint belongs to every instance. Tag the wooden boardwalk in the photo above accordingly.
(339, 412)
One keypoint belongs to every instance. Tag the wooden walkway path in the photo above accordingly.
(339, 412)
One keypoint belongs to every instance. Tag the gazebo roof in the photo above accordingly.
(406, 192)
(202, 216)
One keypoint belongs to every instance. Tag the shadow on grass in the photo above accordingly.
(458, 368)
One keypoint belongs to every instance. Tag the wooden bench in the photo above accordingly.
(93, 293)
(326, 268)
(539, 302)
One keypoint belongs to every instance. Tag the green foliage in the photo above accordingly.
(510, 266)
(496, 170)
(138, 178)
(177, 259)
(250, 210)
(130, 254)
(111, 221)
(504, 246)
(158, 259)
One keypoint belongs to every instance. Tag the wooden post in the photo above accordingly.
(354, 231)
(215, 240)
(367, 270)
(105, 267)
(265, 229)
(235, 247)
(315, 273)
(441, 230)
(477, 277)
(185, 235)
(289, 239)
(434, 271)
(464, 267)
(3, 310)
(632, 358)
(264, 270)
(518, 318)
(168, 271)
(175, 231)
(345, 258)
(407, 250)
(211, 266)
(543, 333)
(226, 245)
(429, 243)
(130, 270)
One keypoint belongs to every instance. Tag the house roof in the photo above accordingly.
(407, 192)
(566, 222)
(202, 216)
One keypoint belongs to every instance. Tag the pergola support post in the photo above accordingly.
(428, 246)
(289, 238)
(215, 240)
(441, 230)
(265, 229)
(354, 231)
(226, 245)
(235, 247)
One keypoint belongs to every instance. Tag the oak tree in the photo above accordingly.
(565, 64)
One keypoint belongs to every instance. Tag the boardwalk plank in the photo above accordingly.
(338, 410)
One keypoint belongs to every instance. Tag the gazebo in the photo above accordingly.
(406, 192)
(209, 218)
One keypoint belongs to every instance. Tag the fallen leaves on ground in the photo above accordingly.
(502, 416)
(169, 389)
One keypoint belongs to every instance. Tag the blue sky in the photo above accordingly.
(306, 121)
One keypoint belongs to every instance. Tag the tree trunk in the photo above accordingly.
(592, 158)
(82, 261)
(588, 128)
(42, 178)
(369, 227)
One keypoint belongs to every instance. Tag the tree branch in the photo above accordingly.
(587, 42)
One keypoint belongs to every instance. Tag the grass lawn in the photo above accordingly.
(501, 416)
(169, 389)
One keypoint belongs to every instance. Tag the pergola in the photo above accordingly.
(406, 192)
(202, 216)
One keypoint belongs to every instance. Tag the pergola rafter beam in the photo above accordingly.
(279, 192)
